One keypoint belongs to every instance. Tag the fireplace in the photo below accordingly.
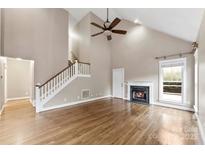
(139, 94)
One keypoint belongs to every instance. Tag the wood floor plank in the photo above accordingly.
(106, 121)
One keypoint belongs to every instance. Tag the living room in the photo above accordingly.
(102, 76)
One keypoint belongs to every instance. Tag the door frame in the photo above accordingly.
(122, 84)
(4, 61)
(196, 82)
(184, 72)
(32, 87)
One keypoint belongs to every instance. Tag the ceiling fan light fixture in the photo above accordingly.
(107, 28)
(107, 24)
(107, 32)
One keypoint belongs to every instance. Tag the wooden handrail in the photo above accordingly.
(39, 86)
(84, 63)
(54, 76)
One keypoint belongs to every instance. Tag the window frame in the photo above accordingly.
(172, 61)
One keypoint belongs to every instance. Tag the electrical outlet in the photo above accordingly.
(65, 99)
(78, 97)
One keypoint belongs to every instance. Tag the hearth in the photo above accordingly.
(139, 94)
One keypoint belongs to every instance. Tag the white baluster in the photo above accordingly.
(43, 90)
(54, 84)
(41, 93)
(38, 102)
(57, 82)
(48, 87)
(63, 76)
(76, 67)
(61, 79)
(67, 74)
(46, 90)
(72, 71)
(79, 66)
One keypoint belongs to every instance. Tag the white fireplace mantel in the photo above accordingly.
(141, 83)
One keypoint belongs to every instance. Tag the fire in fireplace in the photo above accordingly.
(139, 94)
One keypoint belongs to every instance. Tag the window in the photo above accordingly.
(172, 80)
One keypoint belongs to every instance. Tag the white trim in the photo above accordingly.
(32, 101)
(73, 103)
(186, 108)
(141, 83)
(184, 74)
(123, 82)
(2, 109)
(201, 130)
(196, 81)
(83, 75)
(195, 108)
(59, 89)
(5, 80)
(17, 98)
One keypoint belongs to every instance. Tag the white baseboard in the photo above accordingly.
(33, 102)
(186, 108)
(2, 109)
(195, 109)
(17, 98)
(201, 130)
(73, 103)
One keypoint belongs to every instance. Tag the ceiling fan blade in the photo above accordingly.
(109, 37)
(97, 34)
(114, 23)
(92, 23)
(119, 31)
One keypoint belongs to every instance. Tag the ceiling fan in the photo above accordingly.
(107, 27)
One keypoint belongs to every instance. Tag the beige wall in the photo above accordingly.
(40, 35)
(19, 78)
(137, 50)
(97, 52)
(201, 59)
(72, 36)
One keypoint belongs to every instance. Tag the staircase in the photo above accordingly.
(54, 85)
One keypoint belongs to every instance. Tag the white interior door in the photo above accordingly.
(2, 83)
(118, 83)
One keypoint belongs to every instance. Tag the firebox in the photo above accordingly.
(139, 94)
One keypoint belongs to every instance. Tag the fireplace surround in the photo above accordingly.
(148, 85)
(139, 94)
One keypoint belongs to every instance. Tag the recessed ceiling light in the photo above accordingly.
(137, 21)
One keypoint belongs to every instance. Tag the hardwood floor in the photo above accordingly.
(106, 121)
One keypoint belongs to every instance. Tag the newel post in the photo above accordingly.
(38, 101)
(76, 67)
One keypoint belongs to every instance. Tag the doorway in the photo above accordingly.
(172, 81)
(118, 83)
(19, 79)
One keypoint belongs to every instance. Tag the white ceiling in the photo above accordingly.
(181, 23)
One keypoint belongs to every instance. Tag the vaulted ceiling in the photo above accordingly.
(181, 23)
